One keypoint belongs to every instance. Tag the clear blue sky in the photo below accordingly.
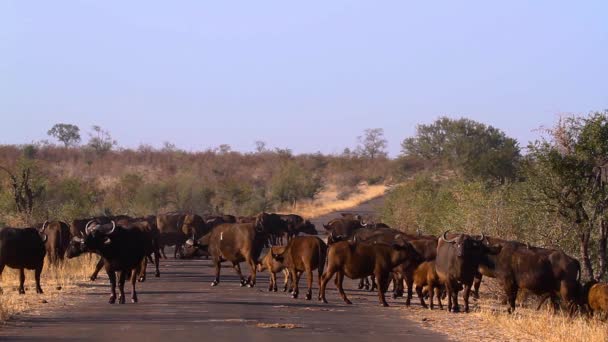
(308, 75)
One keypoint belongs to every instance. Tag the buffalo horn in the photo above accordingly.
(86, 228)
(444, 237)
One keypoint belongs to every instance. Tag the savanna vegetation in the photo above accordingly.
(46, 181)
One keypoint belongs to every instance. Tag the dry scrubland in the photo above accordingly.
(57, 282)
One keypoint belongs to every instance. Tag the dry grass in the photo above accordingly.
(56, 281)
(532, 325)
(489, 321)
(327, 202)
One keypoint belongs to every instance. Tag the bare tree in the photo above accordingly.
(372, 144)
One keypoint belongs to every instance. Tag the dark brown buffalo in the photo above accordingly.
(303, 254)
(58, 240)
(361, 259)
(22, 248)
(546, 272)
(341, 229)
(426, 276)
(236, 243)
(175, 228)
(595, 298)
(274, 225)
(296, 225)
(458, 258)
(424, 245)
(78, 228)
(273, 266)
(147, 225)
(123, 250)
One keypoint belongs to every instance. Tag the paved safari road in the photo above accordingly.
(182, 306)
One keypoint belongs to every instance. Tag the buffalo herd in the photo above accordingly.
(434, 267)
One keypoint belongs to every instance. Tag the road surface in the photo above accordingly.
(182, 306)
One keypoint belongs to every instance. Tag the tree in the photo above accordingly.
(27, 185)
(567, 173)
(474, 150)
(372, 144)
(100, 140)
(260, 146)
(224, 149)
(68, 134)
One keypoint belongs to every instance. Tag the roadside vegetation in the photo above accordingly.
(551, 194)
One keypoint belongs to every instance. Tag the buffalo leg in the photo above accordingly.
(1, 270)
(218, 267)
(272, 285)
(511, 292)
(438, 295)
(409, 281)
(142, 269)
(156, 263)
(309, 283)
(324, 280)
(112, 276)
(476, 284)
(340, 278)
(253, 269)
(421, 296)
(465, 296)
(133, 282)
(21, 281)
(455, 306)
(382, 280)
(122, 277)
(162, 251)
(542, 300)
(98, 268)
(237, 269)
(287, 276)
(37, 274)
(361, 283)
(296, 282)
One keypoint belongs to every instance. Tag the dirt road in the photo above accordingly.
(182, 306)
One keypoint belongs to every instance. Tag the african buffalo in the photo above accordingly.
(360, 259)
(122, 249)
(22, 248)
(58, 239)
(303, 254)
(273, 266)
(426, 276)
(595, 298)
(170, 231)
(236, 242)
(541, 271)
(458, 259)
(341, 229)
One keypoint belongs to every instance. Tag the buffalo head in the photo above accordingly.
(467, 245)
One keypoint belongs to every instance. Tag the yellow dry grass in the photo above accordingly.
(55, 281)
(327, 201)
(532, 325)
(490, 321)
